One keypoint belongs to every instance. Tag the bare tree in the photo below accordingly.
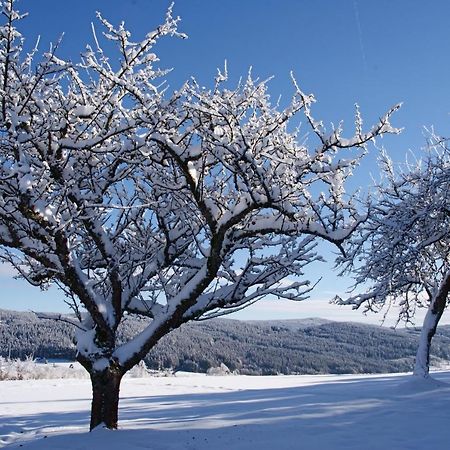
(401, 254)
(176, 207)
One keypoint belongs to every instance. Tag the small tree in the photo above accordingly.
(401, 254)
(172, 206)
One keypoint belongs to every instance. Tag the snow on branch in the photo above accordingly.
(400, 254)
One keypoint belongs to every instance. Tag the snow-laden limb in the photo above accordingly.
(400, 254)
(175, 206)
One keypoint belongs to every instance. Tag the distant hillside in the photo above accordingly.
(307, 346)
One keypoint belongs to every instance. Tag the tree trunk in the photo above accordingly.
(436, 308)
(422, 364)
(105, 398)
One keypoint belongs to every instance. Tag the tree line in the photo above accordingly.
(249, 348)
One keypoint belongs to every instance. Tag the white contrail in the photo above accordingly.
(360, 35)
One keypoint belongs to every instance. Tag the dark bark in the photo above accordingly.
(105, 398)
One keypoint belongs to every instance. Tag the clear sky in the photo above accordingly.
(344, 51)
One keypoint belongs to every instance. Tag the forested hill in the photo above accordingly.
(269, 347)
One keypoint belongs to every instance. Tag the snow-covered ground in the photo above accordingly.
(233, 412)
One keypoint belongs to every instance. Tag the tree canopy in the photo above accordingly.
(400, 255)
(174, 205)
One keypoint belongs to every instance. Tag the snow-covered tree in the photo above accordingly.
(175, 206)
(401, 254)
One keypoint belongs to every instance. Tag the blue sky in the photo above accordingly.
(346, 51)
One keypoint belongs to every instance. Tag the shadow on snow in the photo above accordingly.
(338, 414)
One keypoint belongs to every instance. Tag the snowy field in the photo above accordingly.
(233, 412)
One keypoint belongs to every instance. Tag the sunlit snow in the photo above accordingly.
(239, 412)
